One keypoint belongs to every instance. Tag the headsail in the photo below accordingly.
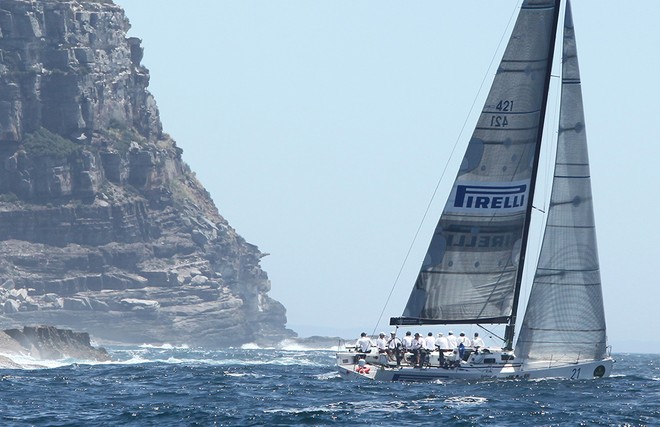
(472, 265)
(565, 317)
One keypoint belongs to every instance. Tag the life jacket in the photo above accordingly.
(362, 369)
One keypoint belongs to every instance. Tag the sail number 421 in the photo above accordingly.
(498, 121)
(506, 105)
(501, 121)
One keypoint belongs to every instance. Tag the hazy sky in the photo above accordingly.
(321, 129)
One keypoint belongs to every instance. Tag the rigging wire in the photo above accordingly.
(491, 332)
(451, 156)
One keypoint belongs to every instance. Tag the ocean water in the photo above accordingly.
(169, 386)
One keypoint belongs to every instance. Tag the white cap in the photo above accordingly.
(440, 334)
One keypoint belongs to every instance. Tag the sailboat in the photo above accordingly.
(473, 270)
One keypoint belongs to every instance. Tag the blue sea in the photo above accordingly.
(180, 386)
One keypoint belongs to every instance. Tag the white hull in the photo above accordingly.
(474, 371)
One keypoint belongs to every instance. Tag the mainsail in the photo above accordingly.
(565, 319)
(473, 264)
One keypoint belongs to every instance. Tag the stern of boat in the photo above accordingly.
(348, 366)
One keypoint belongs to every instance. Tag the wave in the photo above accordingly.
(466, 400)
(249, 356)
(165, 346)
(327, 376)
(24, 361)
(379, 409)
(293, 346)
(289, 352)
(362, 408)
(296, 344)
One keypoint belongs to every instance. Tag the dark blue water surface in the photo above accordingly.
(149, 386)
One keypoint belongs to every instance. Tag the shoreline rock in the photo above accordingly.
(50, 343)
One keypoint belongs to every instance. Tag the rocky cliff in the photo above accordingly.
(103, 227)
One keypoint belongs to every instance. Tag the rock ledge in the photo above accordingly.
(50, 343)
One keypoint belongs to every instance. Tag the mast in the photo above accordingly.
(511, 325)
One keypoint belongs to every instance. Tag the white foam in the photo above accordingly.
(24, 361)
(242, 374)
(466, 400)
(297, 411)
(251, 346)
(394, 406)
(290, 345)
(250, 355)
(293, 345)
(165, 346)
(327, 376)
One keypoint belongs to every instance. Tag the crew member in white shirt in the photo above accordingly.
(429, 345)
(394, 348)
(477, 342)
(463, 339)
(363, 343)
(453, 342)
(443, 345)
(381, 343)
(429, 342)
(407, 341)
(417, 348)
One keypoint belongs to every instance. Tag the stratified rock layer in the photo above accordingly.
(103, 227)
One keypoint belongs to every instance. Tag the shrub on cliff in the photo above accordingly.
(119, 136)
(44, 143)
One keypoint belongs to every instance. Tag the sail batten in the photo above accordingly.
(542, 272)
(565, 330)
(571, 227)
(411, 321)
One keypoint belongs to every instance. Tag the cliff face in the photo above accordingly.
(103, 227)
